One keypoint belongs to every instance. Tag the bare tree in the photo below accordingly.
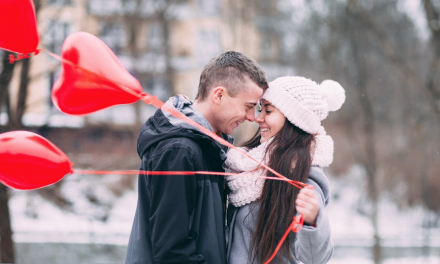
(14, 123)
(7, 254)
(391, 117)
(427, 87)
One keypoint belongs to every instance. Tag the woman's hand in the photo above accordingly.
(307, 205)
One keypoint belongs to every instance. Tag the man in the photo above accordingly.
(180, 219)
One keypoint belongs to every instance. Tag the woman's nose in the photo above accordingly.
(259, 118)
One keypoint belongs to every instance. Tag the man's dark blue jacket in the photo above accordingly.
(179, 219)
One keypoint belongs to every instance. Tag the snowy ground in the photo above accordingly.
(414, 260)
(37, 221)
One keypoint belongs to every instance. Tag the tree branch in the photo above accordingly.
(432, 16)
(394, 58)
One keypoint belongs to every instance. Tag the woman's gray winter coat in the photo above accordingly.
(312, 245)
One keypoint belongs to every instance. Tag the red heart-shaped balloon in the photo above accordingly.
(29, 161)
(18, 30)
(92, 77)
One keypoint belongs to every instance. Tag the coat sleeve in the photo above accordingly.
(173, 200)
(314, 245)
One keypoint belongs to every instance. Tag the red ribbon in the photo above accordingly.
(295, 226)
(297, 184)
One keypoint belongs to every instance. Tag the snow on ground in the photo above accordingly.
(351, 227)
(38, 221)
(56, 119)
(415, 260)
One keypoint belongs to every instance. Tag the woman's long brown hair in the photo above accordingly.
(289, 154)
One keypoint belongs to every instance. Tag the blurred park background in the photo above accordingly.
(385, 178)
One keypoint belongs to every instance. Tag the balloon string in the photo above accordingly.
(295, 226)
(140, 172)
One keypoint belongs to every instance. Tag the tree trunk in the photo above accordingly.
(371, 165)
(431, 16)
(15, 119)
(5, 79)
(369, 160)
(7, 253)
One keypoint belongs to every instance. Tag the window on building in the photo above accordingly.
(209, 7)
(59, 2)
(155, 36)
(2, 52)
(208, 45)
(179, 11)
(113, 35)
(158, 86)
(57, 32)
(105, 7)
(51, 77)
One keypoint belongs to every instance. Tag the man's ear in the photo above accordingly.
(218, 94)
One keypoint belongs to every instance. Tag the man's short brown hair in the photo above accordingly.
(231, 70)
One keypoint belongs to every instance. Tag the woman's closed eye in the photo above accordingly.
(266, 111)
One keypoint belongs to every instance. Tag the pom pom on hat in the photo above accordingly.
(334, 93)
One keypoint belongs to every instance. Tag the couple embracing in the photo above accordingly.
(182, 219)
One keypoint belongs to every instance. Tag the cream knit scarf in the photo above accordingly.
(244, 190)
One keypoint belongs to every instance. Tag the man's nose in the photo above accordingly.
(250, 116)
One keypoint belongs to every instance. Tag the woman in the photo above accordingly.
(291, 141)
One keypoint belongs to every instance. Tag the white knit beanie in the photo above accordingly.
(304, 102)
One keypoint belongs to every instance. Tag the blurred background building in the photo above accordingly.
(164, 44)
(385, 206)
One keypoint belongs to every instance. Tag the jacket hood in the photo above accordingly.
(164, 126)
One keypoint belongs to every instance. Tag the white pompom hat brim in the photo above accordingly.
(292, 109)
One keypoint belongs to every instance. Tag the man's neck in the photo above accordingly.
(204, 109)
